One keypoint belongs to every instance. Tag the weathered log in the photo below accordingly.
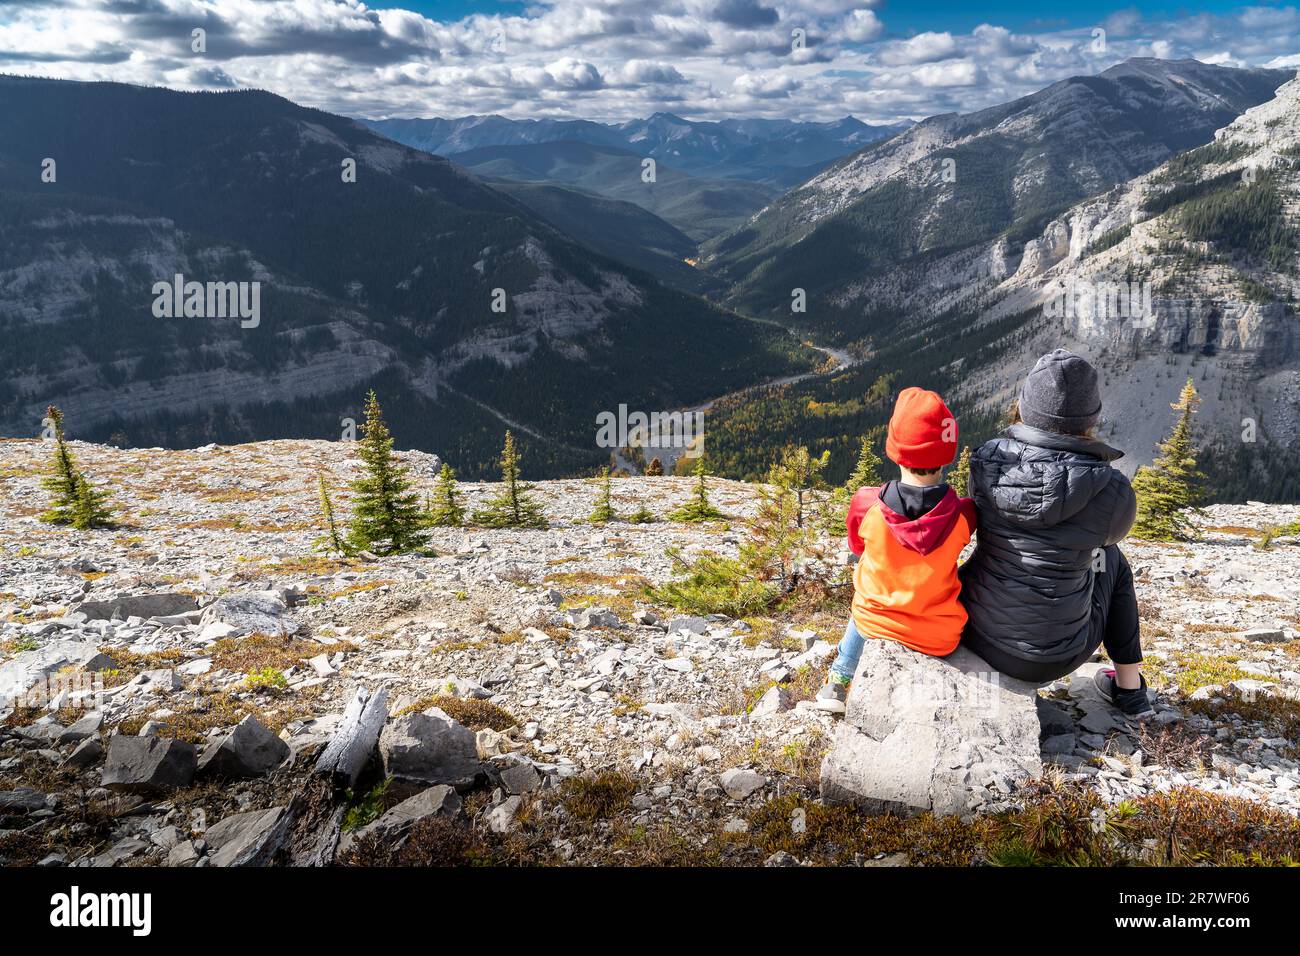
(352, 745)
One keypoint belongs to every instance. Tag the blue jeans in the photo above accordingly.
(850, 651)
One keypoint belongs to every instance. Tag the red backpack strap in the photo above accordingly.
(864, 499)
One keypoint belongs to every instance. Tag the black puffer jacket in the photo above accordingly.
(1045, 502)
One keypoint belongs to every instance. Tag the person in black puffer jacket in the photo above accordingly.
(1047, 583)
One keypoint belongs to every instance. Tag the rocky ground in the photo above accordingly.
(182, 673)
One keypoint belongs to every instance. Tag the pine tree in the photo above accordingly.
(332, 541)
(386, 514)
(866, 474)
(445, 509)
(75, 501)
(698, 508)
(604, 510)
(514, 507)
(90, 508)
(783, 542)
(960, 477)
(1168, 487)
(655, 468)
(642, 515)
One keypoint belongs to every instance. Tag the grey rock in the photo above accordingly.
(138, 605)
(1099, 722)
(1053, 718)
(85, 756)
(739, 784)
(253, 612)
(925, 733)
(122, 850)
(83, 728)
(247, 839)
(520, 778)
(1270, 635)
(694, 625)
(776, 700)
(22, 670)
(429, 747)
(148, 766)
(397, 822)
(249, 749)
(21, 800)
(1059, 744)
(781, 858)
(183, 854)
(501, 818)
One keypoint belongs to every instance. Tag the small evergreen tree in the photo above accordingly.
(960, 477)
(866, 474)
(698, 508)
(90, 508)
(332, 541)
(655, 468)
(642, 515)
(386, 514)
(604, 510)
(74, 501)
(444, 510)
(514, 507)
(1168, 487)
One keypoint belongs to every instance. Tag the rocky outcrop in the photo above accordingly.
(429, 747)
(949, 735)
(149, 766)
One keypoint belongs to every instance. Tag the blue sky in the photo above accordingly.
(880, 60)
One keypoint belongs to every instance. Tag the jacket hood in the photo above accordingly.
(1038, 479)
(927, 532)
(1055, 441)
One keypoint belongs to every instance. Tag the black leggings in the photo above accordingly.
(1114, 623)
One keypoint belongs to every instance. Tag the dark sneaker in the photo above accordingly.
(832, 696)
(1131, 703)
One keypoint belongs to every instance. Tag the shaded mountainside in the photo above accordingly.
(701, 208)
(385, 281)
(953, 181)
(1212, 236)
(780, 152)
(623, 231)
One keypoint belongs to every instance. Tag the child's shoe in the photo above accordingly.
(831, 698)
(1132, 703)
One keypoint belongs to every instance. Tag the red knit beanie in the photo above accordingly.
(922, 433)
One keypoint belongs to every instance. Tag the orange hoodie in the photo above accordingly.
(905, 587)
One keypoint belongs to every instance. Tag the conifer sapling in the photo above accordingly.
(386, 514)
(514, 507)
(1167, 488)
(444, 509)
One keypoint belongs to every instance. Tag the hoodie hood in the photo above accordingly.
(927, 532)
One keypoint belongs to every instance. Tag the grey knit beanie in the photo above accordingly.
(1061, 394)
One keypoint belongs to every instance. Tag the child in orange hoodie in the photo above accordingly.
(908, 535)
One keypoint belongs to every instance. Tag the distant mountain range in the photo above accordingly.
(958, 285)
(953, 181)
(389, 282)
(782, 153)
(701, 208)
